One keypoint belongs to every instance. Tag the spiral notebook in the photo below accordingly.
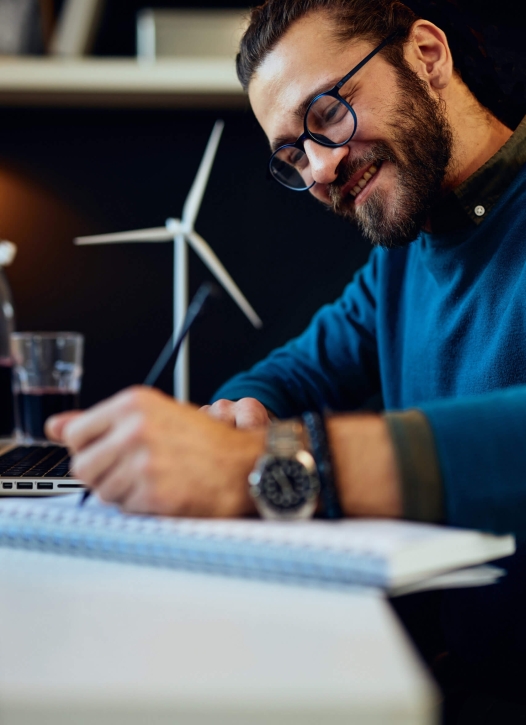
(379, 553)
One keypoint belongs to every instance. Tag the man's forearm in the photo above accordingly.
(380, 461)
(365, 465)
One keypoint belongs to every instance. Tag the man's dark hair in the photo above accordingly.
(371, 20)
(374, 20)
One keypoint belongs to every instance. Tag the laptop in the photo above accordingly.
(35, 470)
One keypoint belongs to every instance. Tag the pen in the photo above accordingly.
(170, 351)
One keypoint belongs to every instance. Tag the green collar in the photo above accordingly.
(472, 201)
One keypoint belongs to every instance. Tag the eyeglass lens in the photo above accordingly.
(331, 123)
(290, 166)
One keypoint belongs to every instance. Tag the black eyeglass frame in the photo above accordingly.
(333, 93)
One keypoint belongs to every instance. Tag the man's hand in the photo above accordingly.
(150, 454)
(244, 413)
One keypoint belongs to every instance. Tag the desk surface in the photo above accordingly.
(90, 642)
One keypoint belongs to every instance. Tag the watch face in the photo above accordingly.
(285, 484)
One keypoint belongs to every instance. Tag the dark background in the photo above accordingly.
(68, 172)
(71, 172)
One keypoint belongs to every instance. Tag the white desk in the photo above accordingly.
(93, 643)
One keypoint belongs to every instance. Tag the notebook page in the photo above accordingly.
(379, 553)
(367, 537)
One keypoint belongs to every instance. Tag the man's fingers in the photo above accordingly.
(244, 413)
(223, 410)
(92, 463)
(250, 413)
(54, 426)
(118, 482)
(98, 420)
(137, 502)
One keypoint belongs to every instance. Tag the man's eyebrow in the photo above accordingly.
(280, 141)
(300, 111)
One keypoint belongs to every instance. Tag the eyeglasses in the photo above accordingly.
(329, 121)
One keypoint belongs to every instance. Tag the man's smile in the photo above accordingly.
(360, 183)
(361, 180)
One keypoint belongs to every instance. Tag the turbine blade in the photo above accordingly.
(159, 234)
(211, 260)
(195, 196)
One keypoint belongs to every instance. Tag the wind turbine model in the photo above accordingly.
(181, 232)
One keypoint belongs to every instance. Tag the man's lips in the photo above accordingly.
(353, 186)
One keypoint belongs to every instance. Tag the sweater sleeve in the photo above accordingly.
(332, 365)
(421, 485)
(481, 447)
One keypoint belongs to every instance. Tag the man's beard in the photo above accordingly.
(420, 152)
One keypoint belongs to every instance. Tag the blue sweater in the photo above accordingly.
(439, 325)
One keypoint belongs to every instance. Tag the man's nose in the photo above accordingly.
(324, 161)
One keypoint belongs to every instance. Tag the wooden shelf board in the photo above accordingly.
(178, 82)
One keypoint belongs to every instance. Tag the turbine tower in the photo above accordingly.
(181, 232)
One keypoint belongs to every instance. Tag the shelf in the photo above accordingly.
(182, 82)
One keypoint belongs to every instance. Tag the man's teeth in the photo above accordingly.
(371, 171)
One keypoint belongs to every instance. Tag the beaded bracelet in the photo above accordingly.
(315, 425)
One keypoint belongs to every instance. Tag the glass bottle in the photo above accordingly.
(7, 326)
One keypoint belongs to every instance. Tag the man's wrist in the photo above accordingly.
(365, 466)
(363, 459)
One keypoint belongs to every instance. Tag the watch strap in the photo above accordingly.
(329, 500)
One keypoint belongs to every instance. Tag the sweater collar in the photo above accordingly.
(471, 202)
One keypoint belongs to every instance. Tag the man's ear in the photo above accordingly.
(427, 52)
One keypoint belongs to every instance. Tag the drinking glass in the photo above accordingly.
(47, 373)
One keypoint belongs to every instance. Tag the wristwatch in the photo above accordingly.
(284, 483)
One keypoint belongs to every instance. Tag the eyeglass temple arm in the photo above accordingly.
(366, 59)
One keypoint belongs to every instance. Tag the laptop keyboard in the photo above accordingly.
(36, 462)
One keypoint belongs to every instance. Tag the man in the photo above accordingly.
(403, 148)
